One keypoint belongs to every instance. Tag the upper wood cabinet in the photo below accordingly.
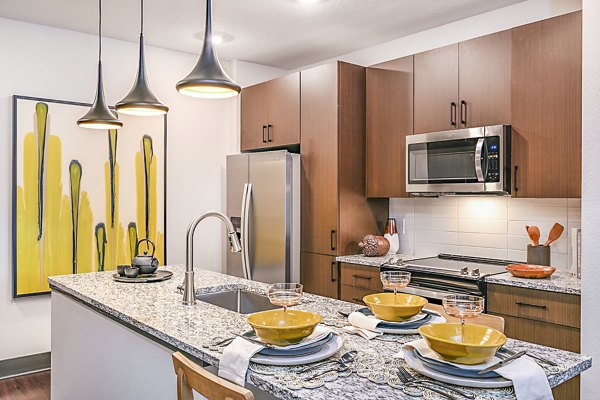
(270, 113)
(463, 85)
(546, 108)
(389, 120)
(436, 89)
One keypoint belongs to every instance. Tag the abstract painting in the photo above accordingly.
(82, 197)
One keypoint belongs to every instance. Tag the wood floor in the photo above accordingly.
(27, 387)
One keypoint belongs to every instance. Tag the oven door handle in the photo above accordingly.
(432, 294)
(479, 160)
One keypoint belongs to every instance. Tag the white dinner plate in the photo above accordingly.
(399, 331)
(490, 383)
(326, 351)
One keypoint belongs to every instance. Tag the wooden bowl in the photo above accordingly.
(530, 271)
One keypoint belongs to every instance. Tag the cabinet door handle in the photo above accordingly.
(358, 300)
(516, 178)
(362, 277)
(453, 114)
(333, 239)
(333, 268)
(463, 112)
(541, 306)
(264, 137)
(269, 133)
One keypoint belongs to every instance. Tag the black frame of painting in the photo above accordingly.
(15, 98)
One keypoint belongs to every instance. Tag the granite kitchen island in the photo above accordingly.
(115, 340)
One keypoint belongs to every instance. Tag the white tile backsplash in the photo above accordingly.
(483, 226)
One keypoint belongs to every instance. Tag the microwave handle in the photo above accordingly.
(479, 159)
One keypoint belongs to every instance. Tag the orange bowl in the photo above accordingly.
(530, 271)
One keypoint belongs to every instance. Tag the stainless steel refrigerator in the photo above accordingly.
(263, 202)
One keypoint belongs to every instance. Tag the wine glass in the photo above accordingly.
(285, 294)
(463, 306)
(395, 280)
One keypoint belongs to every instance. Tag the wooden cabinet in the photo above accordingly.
(546, 107)
(335, 211)
(389, 121)
(319, 274)
(270, 114)
(357, 281)
(436, 89)
(464, 85)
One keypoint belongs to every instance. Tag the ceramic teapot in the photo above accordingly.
(148, 264)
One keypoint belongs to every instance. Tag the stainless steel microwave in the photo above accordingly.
(461, 161)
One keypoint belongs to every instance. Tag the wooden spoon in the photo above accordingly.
(534, 234)
(555, 232)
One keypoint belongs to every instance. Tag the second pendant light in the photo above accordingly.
(141, 100)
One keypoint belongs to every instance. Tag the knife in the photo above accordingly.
(502, 363)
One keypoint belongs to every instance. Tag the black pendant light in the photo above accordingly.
(100, 116)
(208, 79)
(141, 100)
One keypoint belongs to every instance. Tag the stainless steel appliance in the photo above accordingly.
(436, 277)
(263, 202)
(461, 161)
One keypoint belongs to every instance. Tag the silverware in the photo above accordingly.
(463, 393)
(345, 358)
(340, 368)
(258, 342)
(504, 352)
(224, 342)
(344, 314)
(503, 362)
(408, 379)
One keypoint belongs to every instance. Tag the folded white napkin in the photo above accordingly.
(529, 379)
(235, 359)
(363, 325)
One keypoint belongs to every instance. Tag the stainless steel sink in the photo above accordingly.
(238, 300)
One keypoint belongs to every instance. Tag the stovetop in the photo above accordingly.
(459, 266)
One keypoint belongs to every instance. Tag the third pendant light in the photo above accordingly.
(208, 79)
(141, 100)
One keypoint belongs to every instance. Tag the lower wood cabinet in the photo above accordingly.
(547, 318)
(319, 274)
(357, 281)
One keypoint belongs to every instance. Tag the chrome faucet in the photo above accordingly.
(189, 293)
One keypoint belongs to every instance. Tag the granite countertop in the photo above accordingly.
(560, 281)
(361, 259)
(157, 310)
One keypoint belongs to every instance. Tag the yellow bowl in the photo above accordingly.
(480, 343)
(283, 328)
(394, 308)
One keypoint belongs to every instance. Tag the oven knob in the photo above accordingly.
(475, 272)
(464, 271)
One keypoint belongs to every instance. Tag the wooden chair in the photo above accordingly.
(190, 376)
(492, 321)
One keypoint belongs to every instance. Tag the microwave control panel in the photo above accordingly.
(492, 159)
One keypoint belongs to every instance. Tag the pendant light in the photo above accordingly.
(141, 100)
(100, 116)
(208, 79)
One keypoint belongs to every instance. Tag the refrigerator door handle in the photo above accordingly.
(245, 216)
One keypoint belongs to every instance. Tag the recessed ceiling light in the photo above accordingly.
(218, 37)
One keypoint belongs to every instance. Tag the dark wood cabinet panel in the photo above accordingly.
(389, 120)
(570, 390)
(319, 274)
(319, 154)
(436, 90)
(546, 107)
(361, 277)
(254, 104)
(484, 80)
(284, 111)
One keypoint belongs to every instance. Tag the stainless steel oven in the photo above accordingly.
(461, 161)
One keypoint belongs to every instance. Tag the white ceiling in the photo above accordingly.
(280, 33)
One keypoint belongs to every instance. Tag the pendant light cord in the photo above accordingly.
(99, 30)
(142, 17)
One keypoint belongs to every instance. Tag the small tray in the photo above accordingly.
(155, 277)
(530, 271)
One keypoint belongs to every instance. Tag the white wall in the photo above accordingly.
(590, 201)
(483, 226)
(53, 63)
